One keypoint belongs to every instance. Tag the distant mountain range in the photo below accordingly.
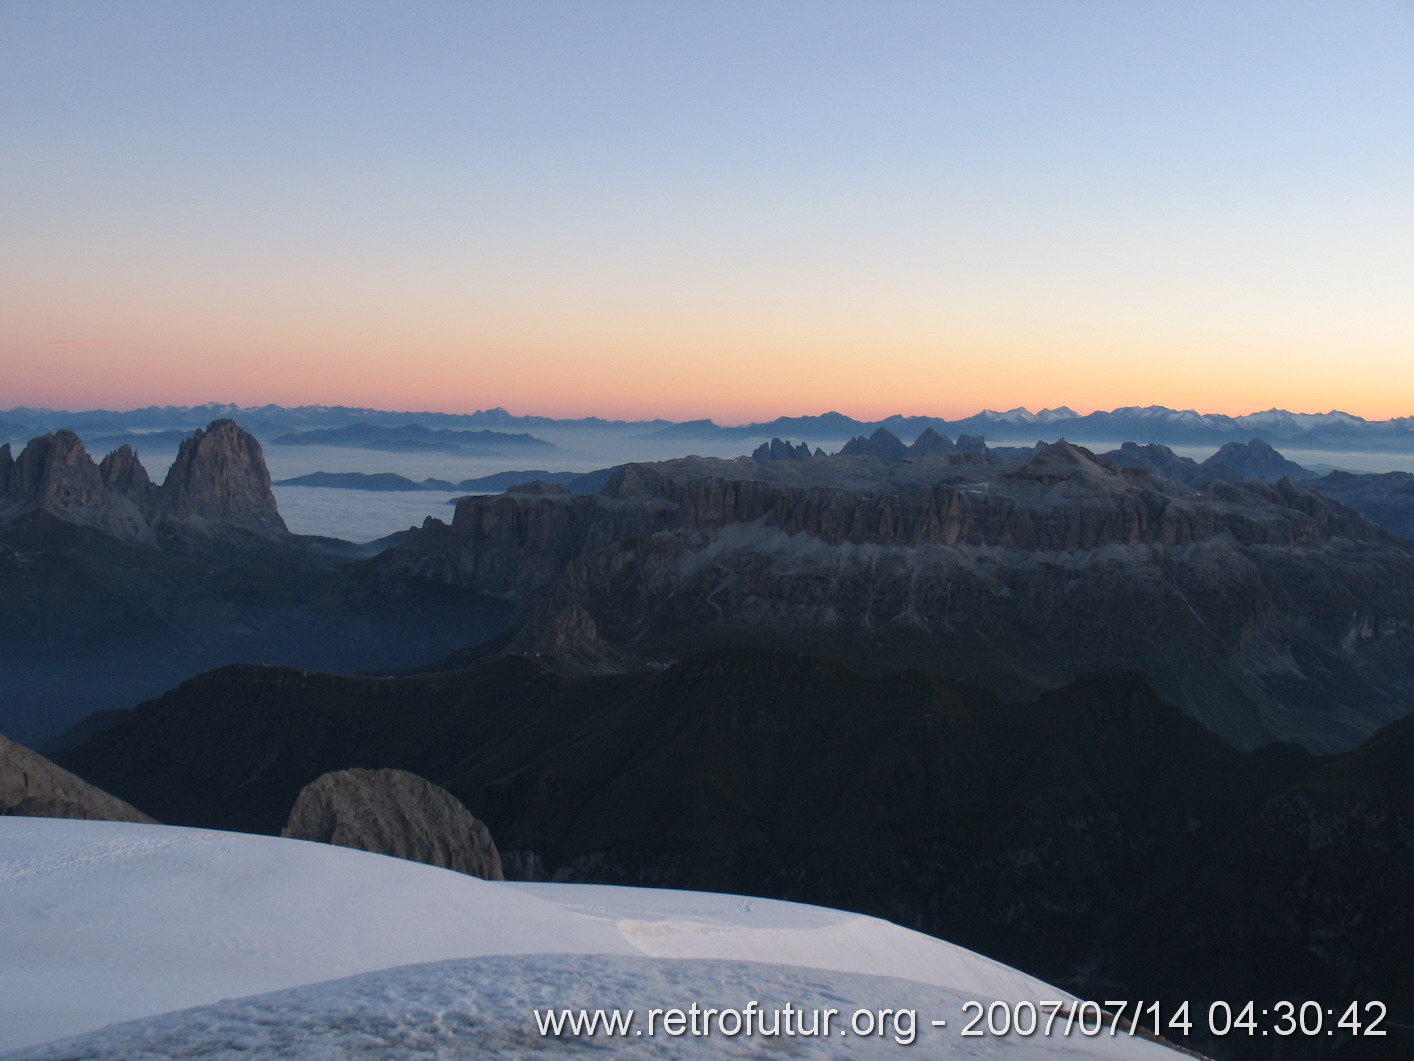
(1334, 430)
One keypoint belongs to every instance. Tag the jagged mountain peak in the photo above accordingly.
(220, 477)
(218, 483)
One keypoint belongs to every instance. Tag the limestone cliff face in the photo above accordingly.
(217, 484)
(1063, 501)
(219, 477)
(31, 786)
(393, 812)
(1264, 609)
(123, 474)
(55, 474)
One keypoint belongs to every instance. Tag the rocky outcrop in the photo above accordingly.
(1250, 460)
(31, 786)
(1160, 459)
(54, 474)
(219, 479)
(393, 812)
(1265, 609)
(780, 450)
(883, 444)
(218, 485)
(123, 473)
(929, 441)
(1234, 461)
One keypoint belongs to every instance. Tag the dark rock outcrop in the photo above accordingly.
(929, 441)
(1159, 458)
(33, 787)
(217, 487)
(1234, 461)
(780, 450)
(883, 444)
(393, 812)
(219, 479)
(1250, 460)
(123, 473)
(54, 474)
(1266, 609)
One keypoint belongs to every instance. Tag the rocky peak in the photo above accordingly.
(780, 450)
(393, 812)
(1157, 457)
(220, 477)
(929, 441)
(1064, 460)
(57, 471)
(972, 443)
(54, 474)
(883, 444)
(123, 473)
(6, 463)
(1251, 460)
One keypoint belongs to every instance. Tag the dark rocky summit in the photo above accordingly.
(217, 486)
(31, 786)
(780, 450)
(1234, 461)
(929, 441)
(219, 481)
(54, 474)
(393, 812)
(883, 444)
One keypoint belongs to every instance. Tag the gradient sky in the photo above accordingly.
(717, 208)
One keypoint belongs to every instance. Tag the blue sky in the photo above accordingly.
(727, 209)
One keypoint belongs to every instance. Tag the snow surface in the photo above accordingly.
(106, 921)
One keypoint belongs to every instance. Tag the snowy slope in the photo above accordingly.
(105, 921)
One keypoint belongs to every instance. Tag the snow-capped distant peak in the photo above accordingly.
(1019, 415)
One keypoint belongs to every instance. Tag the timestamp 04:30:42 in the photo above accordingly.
(1111, 1017)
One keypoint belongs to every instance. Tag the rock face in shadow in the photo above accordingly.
(393, 812)
(33, 787)
(54, 474)
(220, 477)
(1266, 610)
(218, 485)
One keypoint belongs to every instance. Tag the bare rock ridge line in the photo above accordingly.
(217, 483)
(1265, 609)
(393, 812)
(33, 787)
(1064, 499)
